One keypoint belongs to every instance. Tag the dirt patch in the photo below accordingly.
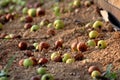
(74, 28)
(116, 3)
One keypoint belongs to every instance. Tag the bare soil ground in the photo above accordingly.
(62, 71)
(115, 3)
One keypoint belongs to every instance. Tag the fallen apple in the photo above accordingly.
(4, 4)
(74, 46)
(34, 28)
(54, 55)
(43, 45)
(93, 34)
(91, 43)
(27, 62)
(78, 56)
(22, 45)
(40, 12)
(71, 60)
(81, 46)
(56, 9)
(21, 62)
(51, 32)
(95, 74)
(58, 58)
(47, 77)
(97, 25)
(27, 19)
(44, 22)
(34, 60)
(59, 43)
(76, 3)
(35, 45)
(102, 44)
(27, 26)
(49, 25)
(41, 70)
(66, 56)
(25, 10)
(42, 61)
(32, 12)
(58, 24)
(93, 68)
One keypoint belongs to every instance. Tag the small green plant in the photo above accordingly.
(4, 72)
(110, 74)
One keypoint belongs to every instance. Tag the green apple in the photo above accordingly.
(49, 25)
(76, 3)
(44, 22)
(94, 74)
(71, 60)
(91, 43)
(101, 44)
(22, 19)
(93, 34)
(1, 26)
(27, 62)
(4, 3)
(58, 24)
(37, 48)
(54, 55)
(25, 10)
(9, 36)
(47, 77)
(3, 78)
(57, 11)
(22, 3)
(66, 56)
(34, 28)
(32, 12)
(35, 45)
(97, 25)
(41, 70)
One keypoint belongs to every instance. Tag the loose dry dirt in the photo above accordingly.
(75, 71)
